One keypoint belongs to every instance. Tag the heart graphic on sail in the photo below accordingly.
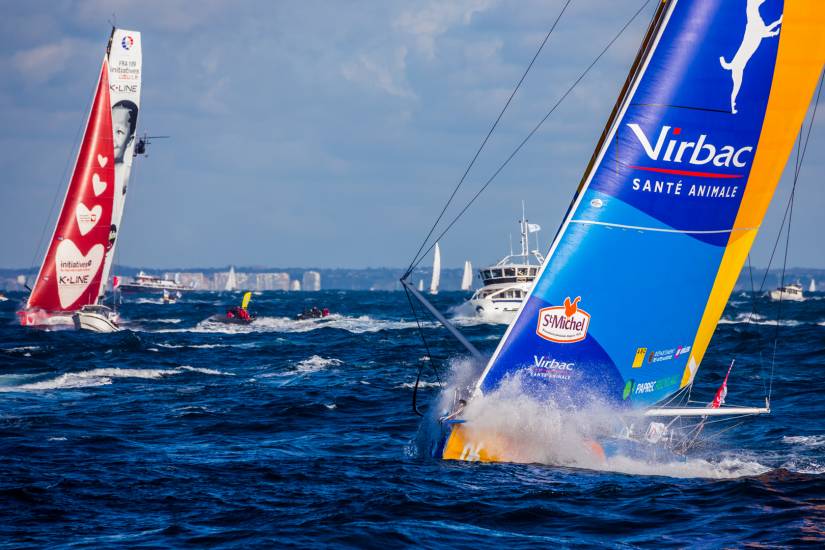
(98, 184)
(101, 160)
(87, 219)
(75, 272)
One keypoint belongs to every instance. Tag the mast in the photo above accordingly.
(124, 52)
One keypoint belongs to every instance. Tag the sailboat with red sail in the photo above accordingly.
(72, 279)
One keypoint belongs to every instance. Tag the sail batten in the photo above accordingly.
(637, 276)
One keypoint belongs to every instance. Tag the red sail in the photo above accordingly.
(70, 276)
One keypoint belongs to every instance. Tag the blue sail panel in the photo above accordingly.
(616, 308)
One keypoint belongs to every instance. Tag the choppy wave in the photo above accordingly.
(101, 377)
(319, 421)
(355, 325)
(757, 319)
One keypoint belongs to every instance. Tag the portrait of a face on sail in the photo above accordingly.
(124, 123)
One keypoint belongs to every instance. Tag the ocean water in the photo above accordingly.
(181, 431)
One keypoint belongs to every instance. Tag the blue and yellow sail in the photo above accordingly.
(638, 275)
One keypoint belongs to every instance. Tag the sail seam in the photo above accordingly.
(665, 230)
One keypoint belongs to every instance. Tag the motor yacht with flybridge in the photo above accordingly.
(508, 282)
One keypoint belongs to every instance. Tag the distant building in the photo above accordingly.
(311, 281)
(295, 285)
(271, 281)
(191, 279)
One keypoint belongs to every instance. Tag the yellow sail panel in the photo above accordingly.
(799, 62)
(246, 298)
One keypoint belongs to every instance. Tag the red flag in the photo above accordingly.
(722, 392)
(115, 281)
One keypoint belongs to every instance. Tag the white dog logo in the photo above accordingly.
(755, 31)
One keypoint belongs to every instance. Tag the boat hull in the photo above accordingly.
(95, 322)
(777, 295)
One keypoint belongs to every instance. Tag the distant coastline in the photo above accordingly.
(383, 278)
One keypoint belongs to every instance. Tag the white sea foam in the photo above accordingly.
(465, 315)
(100, 377)
(170, 321)
(421, 384)
(355, 325)
(307, 366)
(519, 429)
(194, 346)
(805, 440)
(20, 349)
(149, 301)
(757, 319)
(304, 368)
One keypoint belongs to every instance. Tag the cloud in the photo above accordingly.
(41, 63)
(384, 72)
(428, 24)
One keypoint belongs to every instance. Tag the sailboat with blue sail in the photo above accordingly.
(623, 309)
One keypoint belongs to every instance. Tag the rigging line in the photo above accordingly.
(75, 147)
(800, 158)
(754, 332)
(484, 142)
(534, 130)
(797, 168)
(429, 357)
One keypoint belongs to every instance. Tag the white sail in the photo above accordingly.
(467, 278)
(436, 280)
(420, 285)
(125, 66)
(231, 280)
(812, 286)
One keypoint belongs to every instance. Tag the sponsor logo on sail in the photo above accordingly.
(667, 146)
(651, 386)
(127, 42)
(550, 367)
(661, 355)
(640, 357)
(681, 350)
(563, 324)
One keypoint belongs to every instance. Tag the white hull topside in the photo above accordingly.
(791, 293)
(497, 303)
(777, 295)
(95, 322)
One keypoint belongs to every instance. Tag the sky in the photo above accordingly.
(327, 134)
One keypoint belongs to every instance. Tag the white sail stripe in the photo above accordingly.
(665, 229)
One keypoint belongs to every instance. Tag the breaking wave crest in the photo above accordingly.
(354, 325)
(101, 377)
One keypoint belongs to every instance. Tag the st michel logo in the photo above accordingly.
(563, 324)
(755, 31)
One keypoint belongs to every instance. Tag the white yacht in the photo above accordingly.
(507, 283)
(792, 292)
(96, 318)
(149, 283)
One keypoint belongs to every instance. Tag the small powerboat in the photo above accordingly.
(312, 313)
(238, 315)
(791, 292)
(96, 318)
